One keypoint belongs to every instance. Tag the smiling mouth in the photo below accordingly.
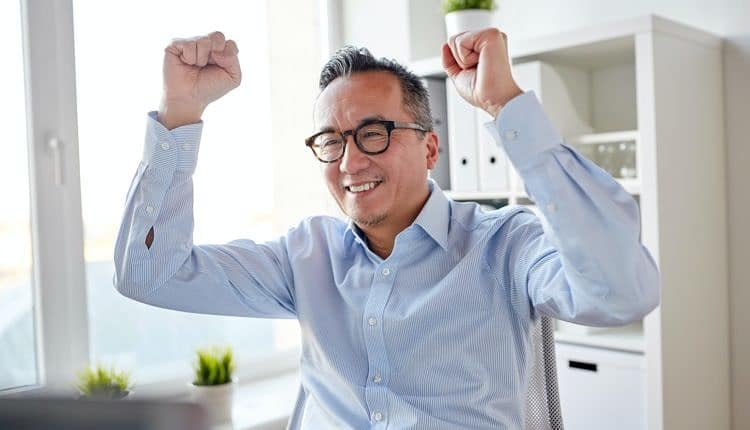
(360, 188)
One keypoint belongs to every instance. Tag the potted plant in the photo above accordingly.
(467, 15)
(213, 386)
(101, 383)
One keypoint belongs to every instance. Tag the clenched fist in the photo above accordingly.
(478, 64)
(197, 71)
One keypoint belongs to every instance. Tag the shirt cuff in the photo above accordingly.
(524, 130)
(170, 150)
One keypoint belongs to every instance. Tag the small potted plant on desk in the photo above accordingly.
(100, 383)
(467, 15)
(214, 385)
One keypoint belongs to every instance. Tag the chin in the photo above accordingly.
(371, 220)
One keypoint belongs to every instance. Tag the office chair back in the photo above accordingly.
(543, 401)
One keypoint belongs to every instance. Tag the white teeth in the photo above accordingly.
(363, 187)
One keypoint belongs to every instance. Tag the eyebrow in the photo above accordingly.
(363, 121)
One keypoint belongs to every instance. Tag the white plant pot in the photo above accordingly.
(467, 20)
(216, 399)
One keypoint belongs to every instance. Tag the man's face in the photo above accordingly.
(397, 178)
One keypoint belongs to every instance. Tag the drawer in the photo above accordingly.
(601, 389)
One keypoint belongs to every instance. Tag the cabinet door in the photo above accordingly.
(601, 389)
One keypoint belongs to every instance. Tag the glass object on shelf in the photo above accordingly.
(616, 157)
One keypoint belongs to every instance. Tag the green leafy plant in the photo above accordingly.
(99, 382)
(455, 5)
(214, 366)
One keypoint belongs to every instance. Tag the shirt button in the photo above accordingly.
(150, 209)
(552, 207)
(386, 271)
(377, 379)
(185, 146)
(377, 416)
(164, 146)
(511, 135)
(372, 321)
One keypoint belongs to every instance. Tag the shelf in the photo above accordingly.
(479, 195)
(628, 338)
(613, 38)
(632, 186)
(597, 138)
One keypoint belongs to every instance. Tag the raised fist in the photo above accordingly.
(197, 71)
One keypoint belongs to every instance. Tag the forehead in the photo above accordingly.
(347, 100)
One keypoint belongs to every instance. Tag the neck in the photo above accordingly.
(381, 238)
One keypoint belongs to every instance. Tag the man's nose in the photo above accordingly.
(353, 160)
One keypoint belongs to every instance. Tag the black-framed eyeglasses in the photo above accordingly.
(372, 138)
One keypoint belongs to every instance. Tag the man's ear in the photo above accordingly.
(431, 140)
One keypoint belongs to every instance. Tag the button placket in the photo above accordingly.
(376, 394)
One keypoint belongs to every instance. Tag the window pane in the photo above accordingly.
(17, 346)
(119, 49)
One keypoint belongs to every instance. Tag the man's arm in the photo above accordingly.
(586, 264)
(583, 261)
(155, 259)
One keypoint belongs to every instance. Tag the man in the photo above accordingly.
(416, 313)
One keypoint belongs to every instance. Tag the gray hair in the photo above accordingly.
(350, 59)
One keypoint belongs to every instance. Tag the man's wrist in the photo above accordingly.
(173, 115)
(494, 107)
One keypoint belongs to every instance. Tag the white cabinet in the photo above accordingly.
(601, 389)
(643, 99)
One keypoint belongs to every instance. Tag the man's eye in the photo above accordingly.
(371, 133)
(330, 142)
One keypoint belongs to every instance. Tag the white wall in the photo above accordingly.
(737, 112)
(373, 24)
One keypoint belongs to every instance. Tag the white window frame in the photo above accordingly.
(59, 274)
(61, 325)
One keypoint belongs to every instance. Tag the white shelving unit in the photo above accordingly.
(628, 338)
(657, 84)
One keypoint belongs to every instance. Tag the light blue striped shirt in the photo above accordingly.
(436, 335)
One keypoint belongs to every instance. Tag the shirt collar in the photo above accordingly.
(435, 215)
(434, 219)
